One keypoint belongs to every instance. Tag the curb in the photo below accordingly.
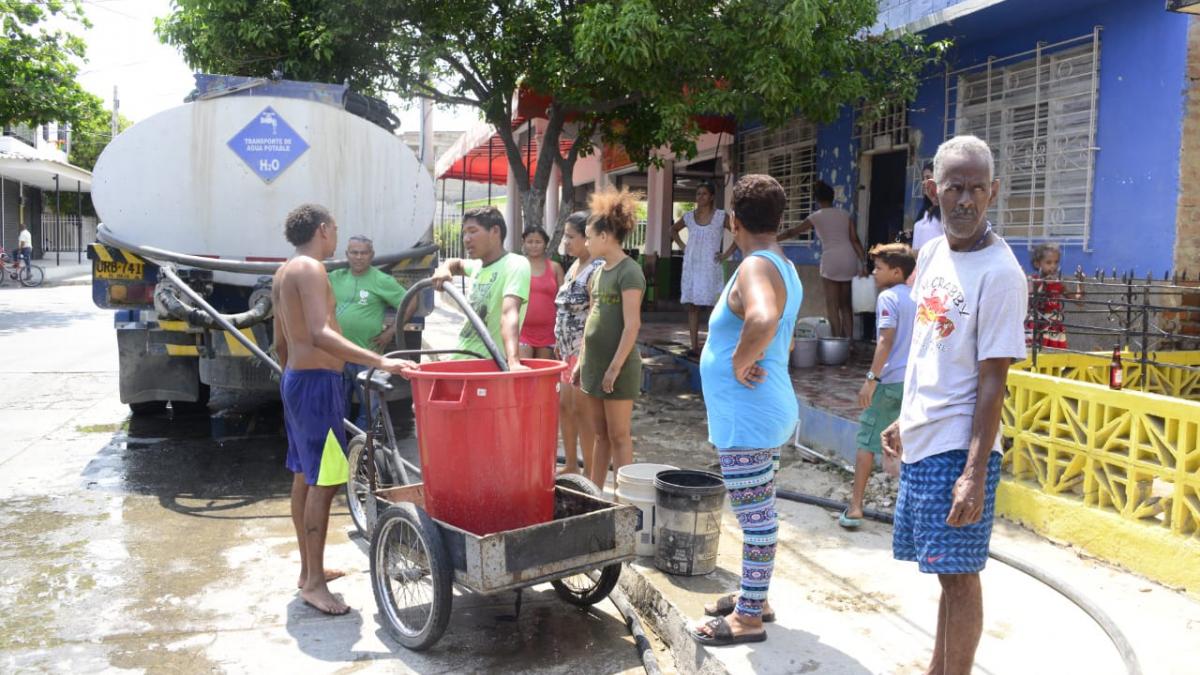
(669, 623)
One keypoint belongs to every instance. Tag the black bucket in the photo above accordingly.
(688, 521)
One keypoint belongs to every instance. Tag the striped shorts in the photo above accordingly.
(921, 534)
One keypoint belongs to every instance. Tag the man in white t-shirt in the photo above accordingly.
(971, 301)
(24, 252)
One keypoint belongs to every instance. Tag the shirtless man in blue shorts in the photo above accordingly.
(312, 352)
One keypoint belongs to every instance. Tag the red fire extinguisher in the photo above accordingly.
(1116, 376)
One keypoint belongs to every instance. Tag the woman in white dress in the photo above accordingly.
(703, 279)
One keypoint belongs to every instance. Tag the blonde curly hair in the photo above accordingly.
(613, 211)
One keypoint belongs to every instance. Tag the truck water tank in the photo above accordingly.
(218, 177)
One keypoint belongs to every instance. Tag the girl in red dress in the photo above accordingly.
(1047, 295)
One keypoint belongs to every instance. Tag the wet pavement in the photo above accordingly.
(164, 544)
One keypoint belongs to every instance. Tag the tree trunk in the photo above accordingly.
(533, 207)
(566, 204)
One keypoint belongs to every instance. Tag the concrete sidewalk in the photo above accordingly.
(845, 606)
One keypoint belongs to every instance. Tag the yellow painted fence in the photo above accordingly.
(1116, 473)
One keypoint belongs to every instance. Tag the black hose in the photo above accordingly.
(645, 649)
(1132, 666)
(175, 307)
(476, 322)
(242, 266)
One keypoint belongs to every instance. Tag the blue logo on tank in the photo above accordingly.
(268, 145)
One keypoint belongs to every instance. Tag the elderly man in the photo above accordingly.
(971, 298)
(362, 294)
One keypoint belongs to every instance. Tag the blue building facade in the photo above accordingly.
(1083, 102)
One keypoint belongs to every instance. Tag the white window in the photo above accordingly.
(789, 155)
(1038, 112)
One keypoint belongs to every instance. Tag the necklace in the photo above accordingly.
(979, 243)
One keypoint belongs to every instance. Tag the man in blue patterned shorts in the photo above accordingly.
(971, 300)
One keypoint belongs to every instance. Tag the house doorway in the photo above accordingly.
(885, 219)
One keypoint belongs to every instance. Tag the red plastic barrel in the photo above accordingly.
(488, 442)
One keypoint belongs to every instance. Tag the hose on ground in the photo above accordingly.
(241, 266)
(645, 649)
(1120, 642)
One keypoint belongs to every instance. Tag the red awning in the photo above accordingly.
(478, 155)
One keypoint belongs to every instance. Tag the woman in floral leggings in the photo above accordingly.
(752, 408)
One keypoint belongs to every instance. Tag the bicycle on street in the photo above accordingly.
(30, 276)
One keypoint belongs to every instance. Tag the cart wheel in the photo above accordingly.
(586, 588)
(411, 576)
(358, 488)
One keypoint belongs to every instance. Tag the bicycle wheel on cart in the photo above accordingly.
(358, 488)
(586, 588)
(32, 276)
(411, 576)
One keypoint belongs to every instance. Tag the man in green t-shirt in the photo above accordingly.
(501, 283)
(362, 294)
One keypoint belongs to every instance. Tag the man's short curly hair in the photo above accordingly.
(758, 203)
(303, 221)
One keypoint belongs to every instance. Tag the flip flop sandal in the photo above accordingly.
(723, 635)
(848, 522)
(727, 603)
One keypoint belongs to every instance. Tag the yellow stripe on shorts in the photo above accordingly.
(335, 470)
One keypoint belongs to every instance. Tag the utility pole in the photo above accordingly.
(115, 115)
(427, 157)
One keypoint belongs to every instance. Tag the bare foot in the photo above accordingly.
(325, 602)
(330, 575)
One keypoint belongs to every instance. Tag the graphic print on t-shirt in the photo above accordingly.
(478, 301)
(942, 301)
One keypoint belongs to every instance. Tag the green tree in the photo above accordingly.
(38, 64)
(630, 72)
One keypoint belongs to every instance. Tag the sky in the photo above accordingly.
(122, 50)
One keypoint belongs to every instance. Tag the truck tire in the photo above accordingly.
(146, 408)
(200, 405)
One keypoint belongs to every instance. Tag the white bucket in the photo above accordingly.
(635, 486)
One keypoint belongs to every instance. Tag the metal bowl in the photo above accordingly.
(834, 351)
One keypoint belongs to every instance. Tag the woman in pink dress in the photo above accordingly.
(842, 256)
(537, 333)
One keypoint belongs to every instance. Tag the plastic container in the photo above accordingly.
(635, 486)
(804, 352)
(688, 509)
(834, 351)
(862, 294)
(813, 326)
(488, 441)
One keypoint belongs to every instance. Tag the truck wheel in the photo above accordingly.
(200, 405)
(145, 408)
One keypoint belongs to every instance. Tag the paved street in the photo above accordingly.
(164, 545)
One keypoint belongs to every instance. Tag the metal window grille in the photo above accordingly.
(789, 155)
(885, 130)
(1037, 110)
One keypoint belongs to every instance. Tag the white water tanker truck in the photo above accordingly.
(203, 190)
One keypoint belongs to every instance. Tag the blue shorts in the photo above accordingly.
(314, 403)
(921, 534)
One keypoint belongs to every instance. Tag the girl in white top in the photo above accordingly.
(703, 279)
(930, 225)
(842, 256)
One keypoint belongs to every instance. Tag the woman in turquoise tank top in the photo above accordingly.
(752, 407)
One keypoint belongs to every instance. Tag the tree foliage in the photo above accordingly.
(632, 72)
(38, 64)
(92, 132)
